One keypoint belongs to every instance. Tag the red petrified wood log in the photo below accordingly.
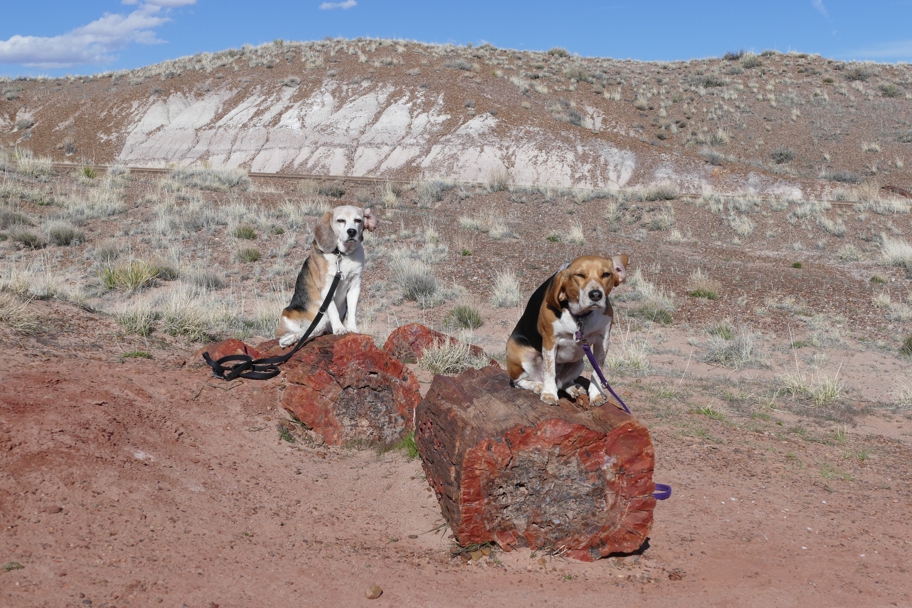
(407, 343)
(510, 469)
(345, 388)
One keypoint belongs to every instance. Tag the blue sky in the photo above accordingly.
(57, 37)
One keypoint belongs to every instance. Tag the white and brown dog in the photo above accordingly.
(543, 353)
(336, 246)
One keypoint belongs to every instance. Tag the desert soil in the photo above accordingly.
(140, 481)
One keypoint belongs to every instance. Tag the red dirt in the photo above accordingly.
(146, 482)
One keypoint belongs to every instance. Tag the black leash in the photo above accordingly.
(246, 366)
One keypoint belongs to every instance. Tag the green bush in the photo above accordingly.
(248, 254)
(463, 317)
(245, 232)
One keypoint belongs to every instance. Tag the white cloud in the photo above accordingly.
(818, 4)
(92, 43)
(326, 6)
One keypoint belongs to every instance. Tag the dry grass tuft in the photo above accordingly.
(450, 357)
(15, 314)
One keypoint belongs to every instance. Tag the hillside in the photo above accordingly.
(781, 124)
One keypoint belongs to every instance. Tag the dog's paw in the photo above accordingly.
(340, 330)
(575, 391)
(287, 340)
(597, 400)
(549, 398)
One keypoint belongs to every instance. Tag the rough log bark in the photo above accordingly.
(510, 469)
(407, 343)
(346, 389)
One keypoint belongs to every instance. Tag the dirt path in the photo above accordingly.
(146, 483)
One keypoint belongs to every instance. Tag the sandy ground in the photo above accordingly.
(145, 482)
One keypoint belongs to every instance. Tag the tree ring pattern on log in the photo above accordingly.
(347, 389)
(369, 413)
(544, 489)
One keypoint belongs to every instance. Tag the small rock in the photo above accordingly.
(54, 509)
(476, 555)
(373, 592)
(542, 561)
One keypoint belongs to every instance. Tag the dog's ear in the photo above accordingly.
(558, 291)
(324, 235)
(370, 220)
(620, 268)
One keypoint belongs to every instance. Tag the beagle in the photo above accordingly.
(543, 353)
(336, 247)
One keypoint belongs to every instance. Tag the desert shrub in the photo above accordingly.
(244, 231)
(834, 227)
(559, 52)
(450, 357)
(896, 252)
(655, 304)
(506, 292)
(331, 189)
(8, 218)
(890, 90)
(660, 219)
(416, 280)
(565, 111)
(701, 285)
(741, 224)
(719, 138)
(26, 121)
(432, 191)
(906, 348)
(628, 355)
(843, 177)
(750, 61)
(463, 316)
(65, 234)
(782, 155)
(129, 277)
(291, 81)
(735, 349)
(733, 55)
(575, 234)
(205, 279)
(857, 74)
(498, 180)
(248, 255)
(27, 237)
(905, 137)
(139, 319)
(205, 178)
(31, 166)
(88, 172)
(849, 253)
(459, 64)
(14, 313)
(186, 314)
(708, 81)
(821, 389)
(712, 157)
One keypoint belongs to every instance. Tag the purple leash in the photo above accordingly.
(663, 491)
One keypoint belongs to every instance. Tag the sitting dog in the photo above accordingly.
(336, 246)
(543, 354)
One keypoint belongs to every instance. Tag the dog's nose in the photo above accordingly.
(595, 295)
(352, 232)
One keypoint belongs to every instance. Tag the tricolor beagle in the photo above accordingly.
(543, 353)
(336, 246)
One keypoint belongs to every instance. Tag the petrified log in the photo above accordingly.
(347, 389)
(510, 469)
(225, 348)
(407, 343)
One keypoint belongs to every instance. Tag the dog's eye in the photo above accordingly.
(580, 275)
(605, 275)
(357, 220)
(340, 221)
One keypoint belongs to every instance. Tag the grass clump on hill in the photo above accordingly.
(248, 255)
(506, 292)
(205, 178)
(896, 252)
(128, 277)
(15, 314)
(655, 304)
(450, 357)
(730, 347)
(138, 319)
(463, 316)
(416, 280)
(702, 286)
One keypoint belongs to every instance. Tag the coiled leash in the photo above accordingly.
(246, 366)
(663, 491)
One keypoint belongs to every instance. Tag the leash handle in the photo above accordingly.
(246, 366)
